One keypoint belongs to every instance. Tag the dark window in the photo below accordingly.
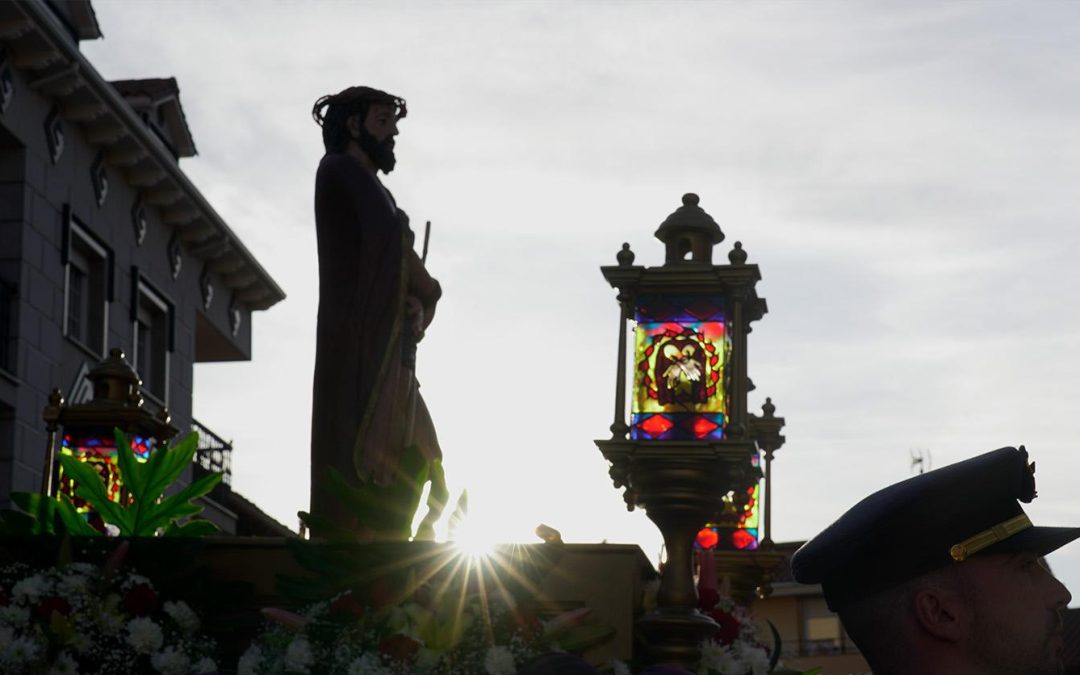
(86, 303)
(152, 327)
(8, 300)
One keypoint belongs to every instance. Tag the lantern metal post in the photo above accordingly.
(681, 467)
(52, 424)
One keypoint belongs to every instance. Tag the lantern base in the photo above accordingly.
(674, 636)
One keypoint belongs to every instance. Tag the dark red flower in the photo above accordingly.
(141, 600)
(380, 594)
(729, 626)
(46, 607)
(347, 606)
(707, 598)
(399, 647)
(528, 625)
(4, 599)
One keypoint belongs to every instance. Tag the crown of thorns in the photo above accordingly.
(352, 98)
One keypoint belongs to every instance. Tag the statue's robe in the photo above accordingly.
(365, 403)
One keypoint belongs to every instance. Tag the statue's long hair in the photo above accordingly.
(333, 110)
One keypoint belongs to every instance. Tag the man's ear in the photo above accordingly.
(352, 125)
(942, 613)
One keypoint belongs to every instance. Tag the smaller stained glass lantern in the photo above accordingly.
(86, 430)
(738, 528)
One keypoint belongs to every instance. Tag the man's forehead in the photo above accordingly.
(380, 108)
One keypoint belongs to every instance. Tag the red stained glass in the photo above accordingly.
(707, 538)
(711, 391)
(704, 426)
(656, 425)
(743, 539)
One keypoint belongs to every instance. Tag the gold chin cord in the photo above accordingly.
(989, 537)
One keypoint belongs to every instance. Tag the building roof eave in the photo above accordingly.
(168, 188)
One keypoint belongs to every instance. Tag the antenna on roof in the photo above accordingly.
(921, 461)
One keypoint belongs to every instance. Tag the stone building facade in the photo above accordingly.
(104, 242)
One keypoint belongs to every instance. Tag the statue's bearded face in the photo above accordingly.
(376, 137)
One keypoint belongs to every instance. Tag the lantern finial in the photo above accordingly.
(689, 233)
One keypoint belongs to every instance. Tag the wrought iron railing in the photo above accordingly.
(214, 454)
(9, 297)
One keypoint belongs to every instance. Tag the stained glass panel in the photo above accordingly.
(681, 349)
(99, 451)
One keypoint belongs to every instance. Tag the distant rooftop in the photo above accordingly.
(157, 101)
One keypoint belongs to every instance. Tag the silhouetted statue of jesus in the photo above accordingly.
(375, 301)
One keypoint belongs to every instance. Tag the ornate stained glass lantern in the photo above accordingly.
(689, 452)
(86, 430)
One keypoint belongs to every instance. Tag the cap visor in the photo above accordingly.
(1038, 540)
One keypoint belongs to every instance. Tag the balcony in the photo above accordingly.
(214, 455)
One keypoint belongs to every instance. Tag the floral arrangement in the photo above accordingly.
(455, 633)
(736, 648)
(81, 618)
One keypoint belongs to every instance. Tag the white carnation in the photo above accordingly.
(64, 665)
(19, 653)
(298, 656)
(250, 661)
(620, 668)
(144, 635)
(110, 623)
(754, 659)
(499, 661)
(170, 661)
(31, 589)
(82, 568)
(204, 665)
(73, 584)
(13, 615)
(717, 657)
(183, 615)
(367, 664)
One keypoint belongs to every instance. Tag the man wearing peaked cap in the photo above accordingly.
(943, 572)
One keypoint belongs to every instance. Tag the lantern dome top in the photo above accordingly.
(689, 233)
(114, 379)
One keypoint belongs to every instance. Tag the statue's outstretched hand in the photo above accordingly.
(414, 316)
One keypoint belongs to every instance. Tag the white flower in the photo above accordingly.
(170, 661)
(717, 657)
(250, 661)
(109, 623)
(13, 615)
(754, 658)
(73, 584)
(499, 661)
(619, 668)
(30, 589)
(298, 656)
(144, 635)
(204, 665)
(82, 568)
(19, 652)
(367, 664)
(183, 615)
(133, 580)
(64, 665)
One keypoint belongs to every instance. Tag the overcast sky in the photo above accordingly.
(905, 175)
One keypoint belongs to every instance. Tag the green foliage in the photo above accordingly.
(149, 512)
(385, 512)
